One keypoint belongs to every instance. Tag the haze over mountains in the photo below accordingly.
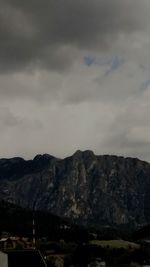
(88, 189)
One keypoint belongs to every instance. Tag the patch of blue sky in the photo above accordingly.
(90, 60)
(115, 64)
(145, 85)
(112, 63)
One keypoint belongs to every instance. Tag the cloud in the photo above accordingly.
(37, 34)
(145, 85)
(74, 75)
(129, 132)
(9, 120)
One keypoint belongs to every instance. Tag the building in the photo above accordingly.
(21, 258)
(3, 259)
(15, 242)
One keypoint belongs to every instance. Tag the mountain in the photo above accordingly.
(88, 189)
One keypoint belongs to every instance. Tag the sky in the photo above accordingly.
(74, 74)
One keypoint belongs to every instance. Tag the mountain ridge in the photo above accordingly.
(87, 188)
(77, 152)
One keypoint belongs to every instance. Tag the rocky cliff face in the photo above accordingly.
(84, 187)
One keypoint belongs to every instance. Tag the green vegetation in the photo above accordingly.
(65, 244)
(115, 244)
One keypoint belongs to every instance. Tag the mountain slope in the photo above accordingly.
(84, 187)
(19, 221)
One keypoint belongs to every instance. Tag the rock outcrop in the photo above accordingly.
(85, 188)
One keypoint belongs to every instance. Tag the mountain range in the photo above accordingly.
(84, 188)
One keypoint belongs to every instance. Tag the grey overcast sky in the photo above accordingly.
(75, 74)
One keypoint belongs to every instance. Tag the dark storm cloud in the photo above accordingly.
(38, 34)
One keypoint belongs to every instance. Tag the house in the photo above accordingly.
(6, 242)
(97, 262)
(14, 242)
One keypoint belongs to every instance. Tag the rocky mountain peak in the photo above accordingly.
(84, 154)
(44, 157)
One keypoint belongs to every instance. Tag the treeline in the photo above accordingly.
(18, 221)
